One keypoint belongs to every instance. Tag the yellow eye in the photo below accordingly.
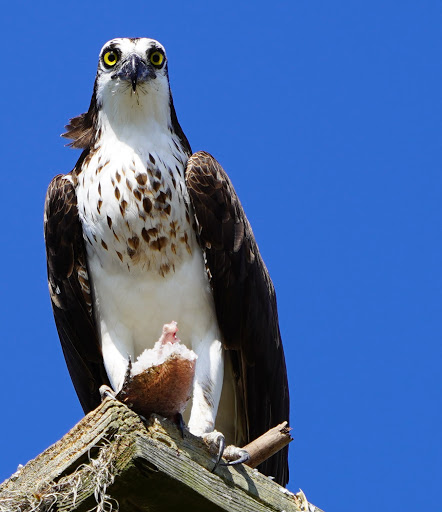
(157, 58)
(110, 58)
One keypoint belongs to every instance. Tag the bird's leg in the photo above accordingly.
(206, 394)
(116, 345)
(207, 385)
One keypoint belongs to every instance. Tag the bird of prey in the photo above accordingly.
(142, 232)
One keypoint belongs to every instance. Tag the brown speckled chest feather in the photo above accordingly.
(137, 210)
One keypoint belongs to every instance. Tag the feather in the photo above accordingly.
(245, 302)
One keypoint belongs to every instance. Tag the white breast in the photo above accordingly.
(145, 264)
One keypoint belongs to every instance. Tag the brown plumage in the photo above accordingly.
(245, 303)
(70, 293)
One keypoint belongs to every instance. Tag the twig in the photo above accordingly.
(268, 444)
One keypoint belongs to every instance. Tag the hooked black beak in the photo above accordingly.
(134, 70)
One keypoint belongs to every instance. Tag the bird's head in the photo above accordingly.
(132, 80)
(131, 67)
(131, 89)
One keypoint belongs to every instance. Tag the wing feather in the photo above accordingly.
(69, 289)
(245, 302)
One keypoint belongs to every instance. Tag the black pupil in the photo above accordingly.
(111, 57)
(156, 57)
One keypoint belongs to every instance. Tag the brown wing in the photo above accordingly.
(245, 302)
(69, 289)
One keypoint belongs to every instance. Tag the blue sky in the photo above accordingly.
(327, 116)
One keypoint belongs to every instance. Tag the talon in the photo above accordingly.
(127, 376)
(106, 391)
(222, 444)
(121, 395)
(216, 443)
(243, 456)
(179, 421)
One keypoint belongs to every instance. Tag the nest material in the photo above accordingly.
(50, 497)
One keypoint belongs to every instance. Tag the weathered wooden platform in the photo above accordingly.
(112, 460)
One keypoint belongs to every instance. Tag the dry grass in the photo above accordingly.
(98, 472)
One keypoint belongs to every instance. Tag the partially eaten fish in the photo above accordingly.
(161, 379)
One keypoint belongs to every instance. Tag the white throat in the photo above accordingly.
(134, 118)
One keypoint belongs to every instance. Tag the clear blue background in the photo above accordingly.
(327, 116)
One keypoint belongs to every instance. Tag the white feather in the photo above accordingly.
(133, 299)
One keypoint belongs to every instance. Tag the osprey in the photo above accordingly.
(141, 232)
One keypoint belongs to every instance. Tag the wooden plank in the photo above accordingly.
(112, 459)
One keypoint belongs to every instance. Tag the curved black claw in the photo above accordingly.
(243, 456)
(180, 423)
(106, 391)
(216, 444)
(222, 445)
(127, 380)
